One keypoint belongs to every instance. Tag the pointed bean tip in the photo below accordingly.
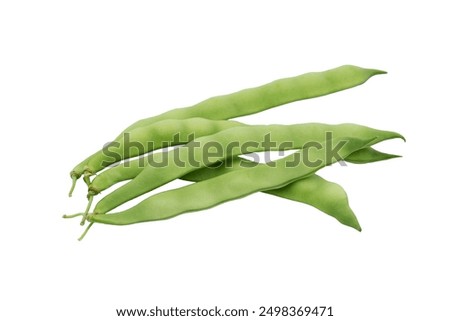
(397, 135)
(356, 225)
(352, 222)
(401, 137)
(375, 72)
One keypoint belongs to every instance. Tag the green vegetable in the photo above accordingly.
(250, 101)
(313, 190)
(298, 191)
(163, 134)
(233, 185)
(211, 150)
(299, 135)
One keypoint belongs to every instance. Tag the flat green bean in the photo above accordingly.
(299, 135)
(130, 169)
(162, 135)
(253, 100)
(229, 186)
(333, 201)
(332, 198)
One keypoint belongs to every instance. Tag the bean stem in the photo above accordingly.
(74, 183)
(72, 215)
(88, 207)
(85, 231)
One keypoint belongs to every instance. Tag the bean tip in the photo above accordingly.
(395, 156)
(378, 72)
(397, 135)
(355, 225)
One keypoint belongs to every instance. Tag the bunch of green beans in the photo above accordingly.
(224, 175)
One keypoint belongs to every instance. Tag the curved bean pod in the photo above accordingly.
(326, 196)
(299, 135)
(162, 135)
(223, 188)
(276, 93)
(130, 169)
(133, 168)
(258, 99)
(302, 191)
(332, 198)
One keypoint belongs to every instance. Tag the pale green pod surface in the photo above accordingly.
(155, 136)
(332, 201)
(130, 169)
(326, 196)
(276, 93)
(116, 174)
(233, 185)
(313, 190)
(187, 159)
(258, 99)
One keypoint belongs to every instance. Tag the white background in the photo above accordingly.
(73, 74)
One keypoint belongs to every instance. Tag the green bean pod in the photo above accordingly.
(131, 168)
(191, 156)
(230, 186)
(368, 155)
(279, 92)
(163, 134)
(257, 99)
(332, 198)
(333, 201)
